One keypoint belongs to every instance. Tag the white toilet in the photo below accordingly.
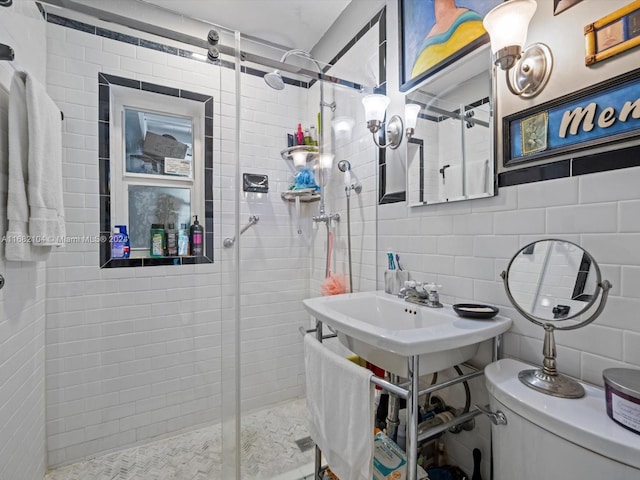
(555, 438)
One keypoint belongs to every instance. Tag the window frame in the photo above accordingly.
(110, 188)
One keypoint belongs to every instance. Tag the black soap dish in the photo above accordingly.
(475, 310)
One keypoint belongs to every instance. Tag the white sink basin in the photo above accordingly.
(385, 330)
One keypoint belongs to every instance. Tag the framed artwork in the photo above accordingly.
(436, 33)
(560, 6)
(612, 34)
(602, 114)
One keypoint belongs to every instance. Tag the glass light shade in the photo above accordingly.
(299, 158)
(326, 160)
(342, 126)
(507, 24)
(411, 111)
(374, 107)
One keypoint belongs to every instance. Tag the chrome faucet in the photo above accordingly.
(421, 293)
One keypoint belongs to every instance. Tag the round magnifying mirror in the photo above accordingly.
(550, 281)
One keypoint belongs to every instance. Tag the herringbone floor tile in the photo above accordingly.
(268, 449)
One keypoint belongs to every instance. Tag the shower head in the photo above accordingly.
(344, 166)
(274, 80)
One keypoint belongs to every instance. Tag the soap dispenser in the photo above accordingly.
(196, 238)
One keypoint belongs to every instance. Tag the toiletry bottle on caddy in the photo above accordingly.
(171, 242)
(196, 238)
(157, 240)
(183, 240)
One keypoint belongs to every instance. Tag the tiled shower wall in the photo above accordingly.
(22, 300)
(135, 354)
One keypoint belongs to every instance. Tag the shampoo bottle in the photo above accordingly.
(183, 240)
(120, 247)
(171, 240)
(299, 135)
(196, 238)
(157, 239)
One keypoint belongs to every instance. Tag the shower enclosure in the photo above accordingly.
(203, 358)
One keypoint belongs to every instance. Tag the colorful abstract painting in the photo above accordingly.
(436, 33)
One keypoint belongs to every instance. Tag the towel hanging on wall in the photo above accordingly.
(35, 208)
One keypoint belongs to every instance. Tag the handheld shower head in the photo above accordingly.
(350, 180)
(344, 166)
(274, 80)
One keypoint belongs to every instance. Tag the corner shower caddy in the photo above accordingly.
(306, 195)
(410, 391)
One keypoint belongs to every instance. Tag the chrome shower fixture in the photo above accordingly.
(213, 38)
(350, 180)
(213, 53)
(344, 165)
(274, 80)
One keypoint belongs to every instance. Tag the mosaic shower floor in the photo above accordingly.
(268, 443)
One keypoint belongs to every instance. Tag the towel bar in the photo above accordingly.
(229, 241)
(303, 332)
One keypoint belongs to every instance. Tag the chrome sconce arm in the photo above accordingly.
(375, 106)
(527, 71)
(393, 132)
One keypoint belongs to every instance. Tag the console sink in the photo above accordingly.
(385, 330)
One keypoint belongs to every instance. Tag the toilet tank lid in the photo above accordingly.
(582, 421)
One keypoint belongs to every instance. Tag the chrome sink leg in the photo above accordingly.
(412, 419)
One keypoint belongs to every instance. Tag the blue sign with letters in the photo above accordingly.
(597, 116)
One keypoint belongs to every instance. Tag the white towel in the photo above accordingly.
(46, 219)
(35, 171)
(476, 178)
(340, 409)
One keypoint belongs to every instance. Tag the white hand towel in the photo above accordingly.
(46, 218)
(476, 178)
(340, 409)
(17, 245)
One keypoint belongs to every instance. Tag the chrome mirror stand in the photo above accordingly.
(547, 380)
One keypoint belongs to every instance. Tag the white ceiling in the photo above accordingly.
(290, 23)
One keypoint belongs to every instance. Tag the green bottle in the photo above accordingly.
(157, 243)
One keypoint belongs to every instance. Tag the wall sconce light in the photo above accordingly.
(528, 71)
(411, 111)
(375, 107)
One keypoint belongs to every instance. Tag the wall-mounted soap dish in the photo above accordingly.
(254, 182)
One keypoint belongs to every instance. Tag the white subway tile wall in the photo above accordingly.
(135, 354)
(22, 300)
(603, 228)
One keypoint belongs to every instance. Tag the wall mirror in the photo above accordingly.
(548, 282)
(451, 155)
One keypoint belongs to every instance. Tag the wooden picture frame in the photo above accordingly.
(603, 114)
(428, 44)
(612, 34)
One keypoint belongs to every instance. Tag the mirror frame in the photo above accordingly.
(383, 196)
(473, 62)
(543, 321)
